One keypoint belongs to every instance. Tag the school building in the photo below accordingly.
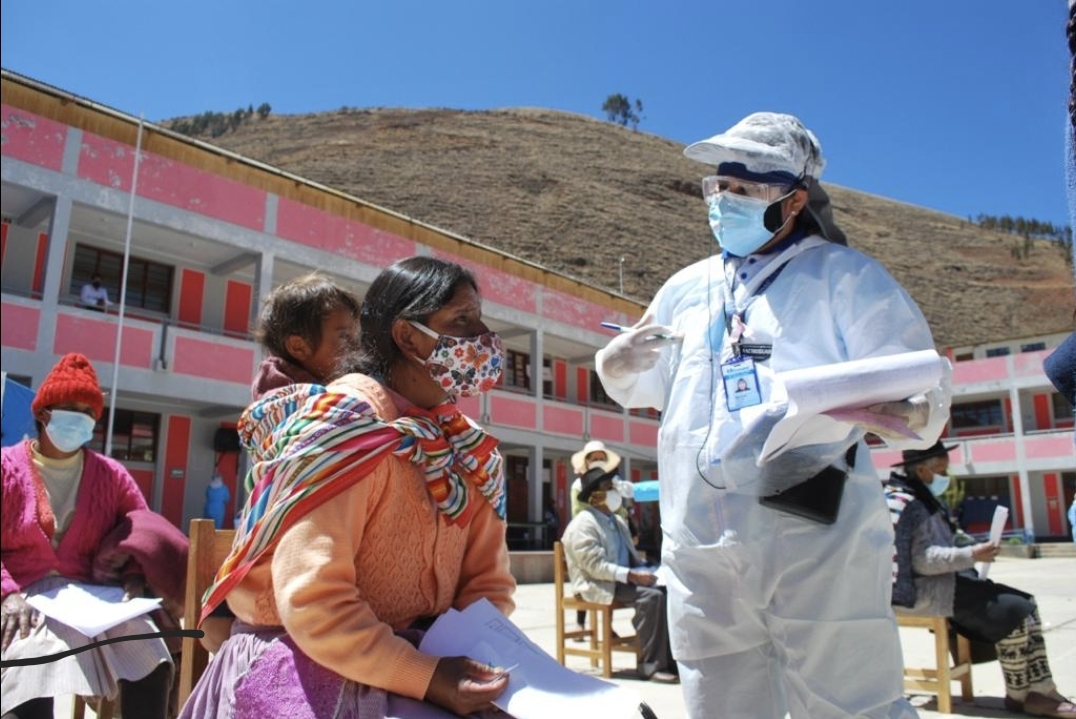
(207, 233)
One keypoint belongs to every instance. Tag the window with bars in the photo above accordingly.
(1061, 407)
(134, 435)
(516, 370)
(597, 391)
(149, 284)
(972, 417)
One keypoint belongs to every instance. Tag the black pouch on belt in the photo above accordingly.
(818, 498)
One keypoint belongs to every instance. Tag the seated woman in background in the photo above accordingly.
(62, 503)
(932, 576)
(376, 506)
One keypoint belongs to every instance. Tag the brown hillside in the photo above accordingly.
(575, 194)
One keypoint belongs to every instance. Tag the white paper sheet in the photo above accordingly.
(90, 608)
(842, 387)
(538, 687)
(997, 527)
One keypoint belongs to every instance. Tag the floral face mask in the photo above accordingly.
(464, 366)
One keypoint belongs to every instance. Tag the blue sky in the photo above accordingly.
(956, 105)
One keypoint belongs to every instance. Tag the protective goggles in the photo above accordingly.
(714, 185)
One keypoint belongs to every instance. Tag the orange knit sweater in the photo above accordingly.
(373, 560)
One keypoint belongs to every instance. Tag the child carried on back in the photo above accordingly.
(306, 327)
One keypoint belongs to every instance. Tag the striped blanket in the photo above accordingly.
(309, 444)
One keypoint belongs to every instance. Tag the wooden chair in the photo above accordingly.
(937, 679)
(601, 642)
(209, 546)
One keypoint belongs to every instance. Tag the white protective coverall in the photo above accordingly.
(783, 613)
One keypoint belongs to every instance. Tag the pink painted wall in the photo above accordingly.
(513, 412)
(572, 310)
(97, 340)
(605, 426)
(32, 139)
(982, 370)
(643, 434)
(324, 231)
(497, 286)
(111, 163)
(19, 326)
(563, 420)
(1029, 364)
(1049, 447)
(213, 360)
(993, 451)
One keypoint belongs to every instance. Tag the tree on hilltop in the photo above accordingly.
(620, 109)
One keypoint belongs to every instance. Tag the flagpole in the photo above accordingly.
(123, 292)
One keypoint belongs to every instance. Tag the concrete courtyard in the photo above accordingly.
(1052, 580)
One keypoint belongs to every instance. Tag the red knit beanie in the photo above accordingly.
(71, 380)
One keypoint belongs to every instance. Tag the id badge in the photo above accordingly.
(740, 379)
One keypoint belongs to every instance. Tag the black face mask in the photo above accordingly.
(97, 284)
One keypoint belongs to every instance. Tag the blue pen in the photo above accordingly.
(621, 328)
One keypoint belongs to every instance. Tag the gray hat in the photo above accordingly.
(915, 456)
(591, 481)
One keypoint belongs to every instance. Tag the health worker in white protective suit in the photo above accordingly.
(771, 612)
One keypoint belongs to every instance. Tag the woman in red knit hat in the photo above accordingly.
(60, 500)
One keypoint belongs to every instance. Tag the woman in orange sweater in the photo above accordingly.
(376, 507)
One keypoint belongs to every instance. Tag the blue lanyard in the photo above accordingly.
(742, 313)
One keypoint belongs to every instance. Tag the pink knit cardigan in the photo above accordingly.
(106, 494)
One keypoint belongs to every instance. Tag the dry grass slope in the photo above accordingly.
(575, 194)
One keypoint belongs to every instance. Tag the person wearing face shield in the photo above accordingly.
(759, 597)
(933, 576)
(375, 506)
(603, 565)
(61, 501)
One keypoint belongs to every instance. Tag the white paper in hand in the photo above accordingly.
(538, 687)
(90, 608)
(997, 527)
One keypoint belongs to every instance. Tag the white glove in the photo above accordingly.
(634, 351)
(915, 411)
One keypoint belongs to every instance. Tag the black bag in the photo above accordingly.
(817, 499)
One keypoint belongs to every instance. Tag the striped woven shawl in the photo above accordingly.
(309, 444)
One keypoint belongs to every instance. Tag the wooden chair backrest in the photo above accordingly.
(560, 571)
(208, 548)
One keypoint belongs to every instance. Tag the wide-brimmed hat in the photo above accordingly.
(579, 463)
(591, 480)
(914, 456)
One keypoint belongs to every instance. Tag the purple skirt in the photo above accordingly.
(260, 673)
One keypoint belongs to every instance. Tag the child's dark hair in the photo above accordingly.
(298, 307)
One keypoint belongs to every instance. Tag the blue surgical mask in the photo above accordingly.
(68, 430)
(738, 222)
(939, 484)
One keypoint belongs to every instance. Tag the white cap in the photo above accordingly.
(764, 142)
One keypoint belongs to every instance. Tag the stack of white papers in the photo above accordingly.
(822, 401)
(90, 608)
(997, 528)
(538, 686)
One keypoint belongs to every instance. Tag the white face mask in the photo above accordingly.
(939, 484)
(613, 500)
(600, 463)
(69, 430)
